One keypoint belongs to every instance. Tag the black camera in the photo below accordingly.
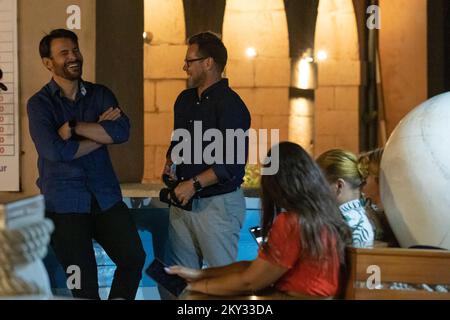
(167, 195)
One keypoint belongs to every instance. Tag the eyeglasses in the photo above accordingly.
(189, 61)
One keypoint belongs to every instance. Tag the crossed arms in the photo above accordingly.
(95, 134)
(56, 144)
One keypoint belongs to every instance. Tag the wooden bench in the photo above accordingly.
(409, 266)
(264, 295)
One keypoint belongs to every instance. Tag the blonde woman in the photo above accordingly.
(346, 177)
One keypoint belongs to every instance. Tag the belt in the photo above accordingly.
(215, 194)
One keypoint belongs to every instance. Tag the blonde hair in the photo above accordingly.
(341, 164)
(370, 161)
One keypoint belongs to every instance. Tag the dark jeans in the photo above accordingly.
(116, 232)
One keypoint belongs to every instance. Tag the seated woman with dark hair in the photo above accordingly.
(305, 247)
(346, 177)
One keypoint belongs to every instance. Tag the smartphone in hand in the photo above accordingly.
(172, 283)
(256, 232)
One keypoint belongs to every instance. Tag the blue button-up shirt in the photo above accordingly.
(69, 184)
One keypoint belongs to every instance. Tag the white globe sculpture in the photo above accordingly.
(415, 176)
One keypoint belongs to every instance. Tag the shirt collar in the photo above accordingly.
(351, 205)
(56, 89)
(83, 88)
(223, 83)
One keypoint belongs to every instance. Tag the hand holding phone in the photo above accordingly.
(256, 232)
(172, 283)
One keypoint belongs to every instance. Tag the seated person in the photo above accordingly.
(370, 162)
(346, 177)
(305, 241)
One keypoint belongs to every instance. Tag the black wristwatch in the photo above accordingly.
(198, 187)
(72, 125)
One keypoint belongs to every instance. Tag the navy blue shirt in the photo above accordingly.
(219, 107)
(69, 184)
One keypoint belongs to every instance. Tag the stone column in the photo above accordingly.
(337, 97)
(262, 81)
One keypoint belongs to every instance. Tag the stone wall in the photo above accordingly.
(332, 121)
(164, 79)
(403, 51)
(262, 81)
(337, 97)
(35, 19)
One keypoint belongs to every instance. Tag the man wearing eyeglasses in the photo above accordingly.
(208, 234)
(71, 123)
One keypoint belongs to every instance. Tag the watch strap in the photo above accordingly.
(198, 187)
(72, 125)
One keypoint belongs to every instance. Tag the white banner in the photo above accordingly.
(9, 100)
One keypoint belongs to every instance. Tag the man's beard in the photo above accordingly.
(197, 81)
(69, 73)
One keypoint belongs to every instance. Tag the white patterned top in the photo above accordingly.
(362, 231)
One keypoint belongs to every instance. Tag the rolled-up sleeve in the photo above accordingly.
(44, 133)
(118, 130)
(234, 115)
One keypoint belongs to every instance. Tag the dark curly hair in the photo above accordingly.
(300, 188)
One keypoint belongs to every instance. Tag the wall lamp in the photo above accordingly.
(304, 72)
(147, 36)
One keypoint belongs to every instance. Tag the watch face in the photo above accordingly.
(197, 185)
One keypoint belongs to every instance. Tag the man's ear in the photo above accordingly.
(210, 64)
(47, 62)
